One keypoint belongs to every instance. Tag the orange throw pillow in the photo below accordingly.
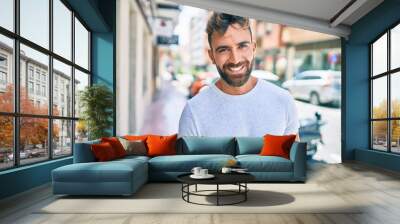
(135, 137)
(103, 152)
(161, 145)
(116, 145)
(277, 145)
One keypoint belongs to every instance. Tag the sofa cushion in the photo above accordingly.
(277, 145)
(103, 152)
(185, 163)
(159, 145)
(134, 147)
(193, 145)
(116, 145)
(249, 145)
(111, 171)
(257, 163)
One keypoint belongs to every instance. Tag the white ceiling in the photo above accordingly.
(315, 15)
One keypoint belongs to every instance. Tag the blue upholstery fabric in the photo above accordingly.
(184, 163)
(192, 145)
(83, 152)
(257, 163)
(249, 145)
(298, 155)
(118, 177)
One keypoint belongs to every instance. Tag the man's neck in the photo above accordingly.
(232, 90)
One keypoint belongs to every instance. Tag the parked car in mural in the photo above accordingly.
(266, 75)
(316, 86)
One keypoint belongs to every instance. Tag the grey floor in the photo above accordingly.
(378, 189)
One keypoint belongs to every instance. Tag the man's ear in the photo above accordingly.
(210, 54)
(254, 46)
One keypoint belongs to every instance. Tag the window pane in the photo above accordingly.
(81, 81)
(81, 131)
(395, 47)
(7, 14)
(6, 74)
(62, 137)
(379, 135)
(379, 55)
(395, 136)
(34, 79)
(33, 139)
(62, 89)
(6, 142)
(379, 97)
(35, 21)
(81, 45)
(395, 94)
(62, 29)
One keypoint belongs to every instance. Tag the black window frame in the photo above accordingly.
(388, 74)
(16, 115)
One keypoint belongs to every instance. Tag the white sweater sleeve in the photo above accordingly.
(187, 125)
(292, 125)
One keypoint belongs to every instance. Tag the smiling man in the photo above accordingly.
(238, 104)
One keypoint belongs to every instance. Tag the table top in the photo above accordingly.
(220, 178)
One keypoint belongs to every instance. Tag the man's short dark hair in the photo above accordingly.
(219, 22)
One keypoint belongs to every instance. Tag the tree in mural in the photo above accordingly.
(380, 128)
(33, 131)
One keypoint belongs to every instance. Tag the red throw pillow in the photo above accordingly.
(116, 145)
(103, 151)
(161, 145)
(277, 145)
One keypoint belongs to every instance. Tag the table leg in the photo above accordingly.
(245, 191)
(217, 194)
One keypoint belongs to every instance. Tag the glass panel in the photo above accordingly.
(379, 135)
(379, 97)
(395, 94)
(81, 45)
(81, 81)
(35, 21)
(379, 55)
(6, 142)
(6, 74)
(395, 47)
(62, 29)
(62, 138)
(395, 136)
(7, 14)
(62, 89)
(81, 131)
(33, 139)
(34, 97)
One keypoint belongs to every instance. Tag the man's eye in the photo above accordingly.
(221, 50)
(243, 46)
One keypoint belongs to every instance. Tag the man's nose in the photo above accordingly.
(235, 56)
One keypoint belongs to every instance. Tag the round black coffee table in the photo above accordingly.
(238, 179)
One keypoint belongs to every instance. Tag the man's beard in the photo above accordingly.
(236, 82)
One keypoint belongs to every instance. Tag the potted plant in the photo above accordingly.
(96, 103)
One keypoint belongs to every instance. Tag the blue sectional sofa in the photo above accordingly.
(125, 176)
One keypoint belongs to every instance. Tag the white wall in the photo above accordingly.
(134, 60)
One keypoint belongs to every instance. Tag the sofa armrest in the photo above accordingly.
(83, 152)
(298, 156)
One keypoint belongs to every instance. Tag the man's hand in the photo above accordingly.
(297, 138)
